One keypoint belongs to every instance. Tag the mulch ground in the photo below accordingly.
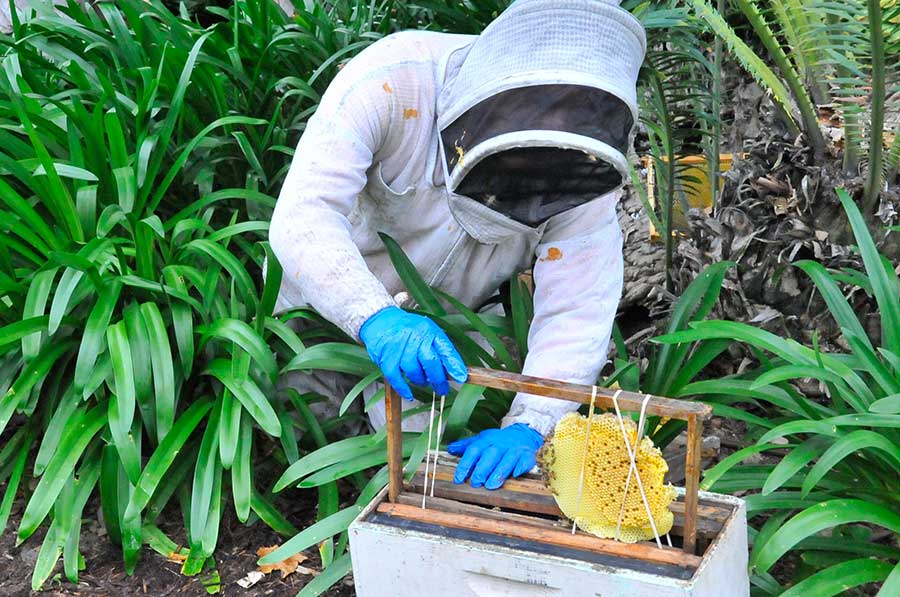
(156, 576)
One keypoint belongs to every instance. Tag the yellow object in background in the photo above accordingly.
(696, 190)
(605, 475)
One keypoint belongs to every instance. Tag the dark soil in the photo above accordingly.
(155, 575)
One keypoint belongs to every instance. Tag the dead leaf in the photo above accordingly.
(765, 315)
(251, 579)
(780, 206)
(307, 571)
(772, 185)
(789, 283)
(287, 566)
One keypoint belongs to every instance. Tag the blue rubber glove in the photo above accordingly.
(405, 344)
(494, 455)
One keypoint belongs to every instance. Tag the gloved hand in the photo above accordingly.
(402, 343)
(494, 455)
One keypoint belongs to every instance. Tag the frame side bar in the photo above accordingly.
(692, 483)
(394, 442)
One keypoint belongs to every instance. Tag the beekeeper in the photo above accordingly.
(482, 156)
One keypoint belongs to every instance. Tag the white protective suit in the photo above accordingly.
(411, 139)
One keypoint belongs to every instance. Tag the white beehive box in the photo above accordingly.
(394, 557)
(514, 542)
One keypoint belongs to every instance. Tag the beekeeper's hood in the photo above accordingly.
(536, 115)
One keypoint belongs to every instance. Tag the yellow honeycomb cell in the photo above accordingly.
(605, 476)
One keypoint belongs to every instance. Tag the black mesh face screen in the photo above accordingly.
(566, 108)
(531, 185)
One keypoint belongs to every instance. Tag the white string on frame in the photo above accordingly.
(428, 451)
(437, 444)
(633, 466)
(587, 439)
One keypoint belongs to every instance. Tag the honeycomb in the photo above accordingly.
(605, 476)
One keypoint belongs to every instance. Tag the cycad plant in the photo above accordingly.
(891, 33)
(676, 110)
(833, 497)
(845, 53)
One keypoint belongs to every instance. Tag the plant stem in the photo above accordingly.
(664, 115)
(670, 203)
(644, 193)
(876, 132)
(716, 141)
(849, 111)
(851, 142)
(801, 96)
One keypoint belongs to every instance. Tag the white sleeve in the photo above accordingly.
(578, 279)
(310, 232)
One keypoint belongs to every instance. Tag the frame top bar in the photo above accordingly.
(628, 401)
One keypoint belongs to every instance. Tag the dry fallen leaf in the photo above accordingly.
(307, 571)
(287, 566)
(780, 206)
(251, 579)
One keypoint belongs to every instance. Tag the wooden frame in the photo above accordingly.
(693, 413)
